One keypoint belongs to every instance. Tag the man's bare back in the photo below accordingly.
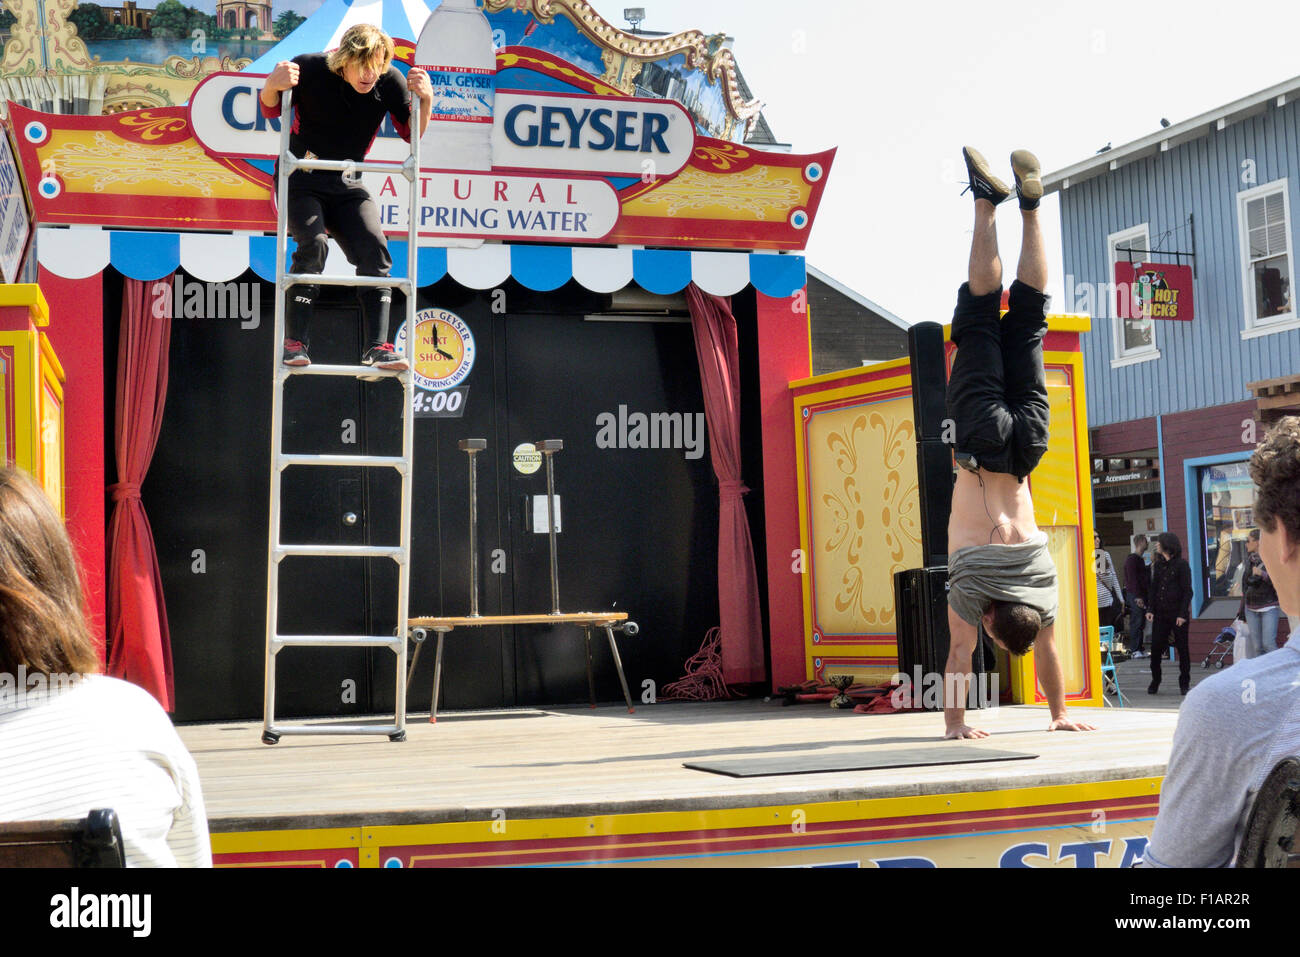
(1001, 512)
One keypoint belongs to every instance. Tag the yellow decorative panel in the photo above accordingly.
(1055, 483)
(33, 432)
(1063, 543)
(859, 517)
(92, 161)
(865, 521)
(765, 193)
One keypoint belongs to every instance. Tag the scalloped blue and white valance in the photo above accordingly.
(75, 253)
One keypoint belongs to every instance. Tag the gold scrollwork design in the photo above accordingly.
(149, 127)
(721, 157)
(866, 466)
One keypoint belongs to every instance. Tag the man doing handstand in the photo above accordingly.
(1000, 572)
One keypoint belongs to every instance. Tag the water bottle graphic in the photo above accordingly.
(455, 49)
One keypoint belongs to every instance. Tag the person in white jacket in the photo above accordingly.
(72, 741)
(1109, 601)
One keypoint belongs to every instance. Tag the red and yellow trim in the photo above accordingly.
(866, 830)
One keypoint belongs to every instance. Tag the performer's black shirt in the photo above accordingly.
(334, 121)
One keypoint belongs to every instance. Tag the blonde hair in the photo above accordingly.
(42, 612)
(363, 44)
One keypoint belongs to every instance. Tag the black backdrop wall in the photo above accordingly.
(639, 525)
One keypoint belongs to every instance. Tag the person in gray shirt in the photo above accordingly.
(1236, 725)
(1000, 571)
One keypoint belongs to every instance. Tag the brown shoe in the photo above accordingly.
(1029, 181)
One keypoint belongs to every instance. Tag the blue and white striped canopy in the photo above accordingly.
(78, 252)
(321, 32)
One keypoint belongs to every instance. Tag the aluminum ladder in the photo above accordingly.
(277, 550)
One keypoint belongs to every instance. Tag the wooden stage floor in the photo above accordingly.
(579, 762)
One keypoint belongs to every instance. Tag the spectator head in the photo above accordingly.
(1139, 543)
(1169, 545)
(1275, 467)
(1013, 626)
(42, 615)
(1252, 540)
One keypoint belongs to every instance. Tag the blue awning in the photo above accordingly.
(75, 253)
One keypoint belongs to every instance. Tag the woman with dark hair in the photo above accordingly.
(1109, 602)
(71, 740)
(1169, 609)
(1259, 600)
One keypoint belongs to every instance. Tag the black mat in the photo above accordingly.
(858, 761)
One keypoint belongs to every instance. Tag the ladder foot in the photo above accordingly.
(397, 736)
(270, 737)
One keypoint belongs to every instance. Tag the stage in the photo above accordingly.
(582, 786)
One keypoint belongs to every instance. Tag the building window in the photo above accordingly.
(1134, 339)
(1264, 217)
(1227, 514)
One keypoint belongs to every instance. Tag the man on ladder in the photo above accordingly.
(340, 99)
(330, 109)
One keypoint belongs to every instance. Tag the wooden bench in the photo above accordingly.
(587, 620)
(95, 841)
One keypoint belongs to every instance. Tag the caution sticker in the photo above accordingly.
(526, 458)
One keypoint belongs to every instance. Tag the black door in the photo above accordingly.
(639, 525)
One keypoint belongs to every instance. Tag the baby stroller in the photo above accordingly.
(1222, 645)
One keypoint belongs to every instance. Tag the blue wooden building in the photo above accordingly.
(1175, 407)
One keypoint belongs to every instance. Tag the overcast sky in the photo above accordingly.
(900, 87)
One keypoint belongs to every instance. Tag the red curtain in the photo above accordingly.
(140, 643)
(718, 350)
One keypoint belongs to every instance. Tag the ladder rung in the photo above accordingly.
(364, 461)
(341, 551)
(322, 279)
(336, 641)
(349, 372)
(334, 729)
(291, 162)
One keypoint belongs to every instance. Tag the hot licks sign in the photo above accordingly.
(1147, 290)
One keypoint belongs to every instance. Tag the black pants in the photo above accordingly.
(1165, 632)
(1137, 624)
(322, 202)
(997, 392)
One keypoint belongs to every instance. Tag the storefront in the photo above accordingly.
(1196, 334)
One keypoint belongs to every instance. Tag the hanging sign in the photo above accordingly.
(1147, 290)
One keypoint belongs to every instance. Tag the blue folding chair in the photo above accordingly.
(1107, 636)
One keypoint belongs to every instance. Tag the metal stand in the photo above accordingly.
(275, 642)
(472, 447)
(548, 448)
(609, 621)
